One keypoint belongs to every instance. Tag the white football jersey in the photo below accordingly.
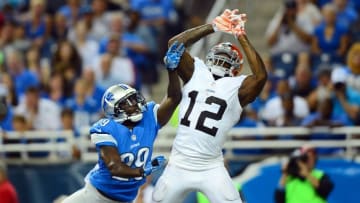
(208, 110)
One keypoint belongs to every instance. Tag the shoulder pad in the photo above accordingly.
(102, 126)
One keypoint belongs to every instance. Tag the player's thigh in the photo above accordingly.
(220, 187)
(88, 194)
(78, 196)
(171, 186)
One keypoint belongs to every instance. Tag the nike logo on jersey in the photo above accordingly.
(134, 145)
(209, 90)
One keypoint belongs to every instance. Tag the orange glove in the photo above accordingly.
(223, 22)
(239, 21)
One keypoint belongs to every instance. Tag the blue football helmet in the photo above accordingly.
(121, 102)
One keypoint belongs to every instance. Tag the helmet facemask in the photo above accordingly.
(222, 59)
(127, 102)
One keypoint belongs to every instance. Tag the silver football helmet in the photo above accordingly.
(223, 58)
(117, 98)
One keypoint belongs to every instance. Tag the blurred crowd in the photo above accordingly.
(57, 57)
(313, 65)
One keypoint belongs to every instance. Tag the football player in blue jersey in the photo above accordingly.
(124, 139)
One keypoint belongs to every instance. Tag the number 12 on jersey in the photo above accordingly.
(204, 114)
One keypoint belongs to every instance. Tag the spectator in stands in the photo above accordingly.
(323, 116)
(71, 11)
(330, 38)
(6, 114)
(19, 125)
(93, 89)
(353, 64)
(60, 27)
(32, 61)
(87, 48)
(103, 71)
(141, 47)
(100, 19)
(322, 90)
(84, 106)
(67, 123)
(40, 113)
(277, 111)
(289, 118)
(22, 77)
(34, 23)
(20, 42)
(113, 67)
(116, 29)
(265, 95)
(7, 190)
(289, 31)
(302, 83)
(301, 181)
(346, 99)
(354, 29)
(7, 35)
(67, 61)
(157, 14)
(54, 90)
(9, 92)
(346, 13)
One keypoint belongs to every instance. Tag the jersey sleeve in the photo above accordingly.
(153, 108)
(101, 133)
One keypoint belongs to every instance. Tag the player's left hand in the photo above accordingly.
(239, 21)
(173, 55)
(158, 162)
(154, 165)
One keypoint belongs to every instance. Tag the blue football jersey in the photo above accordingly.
(134, 147)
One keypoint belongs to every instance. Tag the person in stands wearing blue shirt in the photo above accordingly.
(125, 138)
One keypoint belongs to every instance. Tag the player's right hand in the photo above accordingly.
(173, 55)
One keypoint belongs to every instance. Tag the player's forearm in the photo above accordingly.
(174, 88)
(124, 171)
(190, 36)
(256, 64)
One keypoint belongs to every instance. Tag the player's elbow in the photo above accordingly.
(261, 79)
(116, 169)
(175, 98)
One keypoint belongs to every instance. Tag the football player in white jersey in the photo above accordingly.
(213, 97)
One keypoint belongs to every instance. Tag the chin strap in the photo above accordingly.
(135, 118)
(220, 71)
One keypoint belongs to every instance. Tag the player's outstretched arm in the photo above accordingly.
(188, 37)
(111, 157)
(173, 97)
(253, 84)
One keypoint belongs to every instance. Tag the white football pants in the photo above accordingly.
(175, 183)
(88, 194)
